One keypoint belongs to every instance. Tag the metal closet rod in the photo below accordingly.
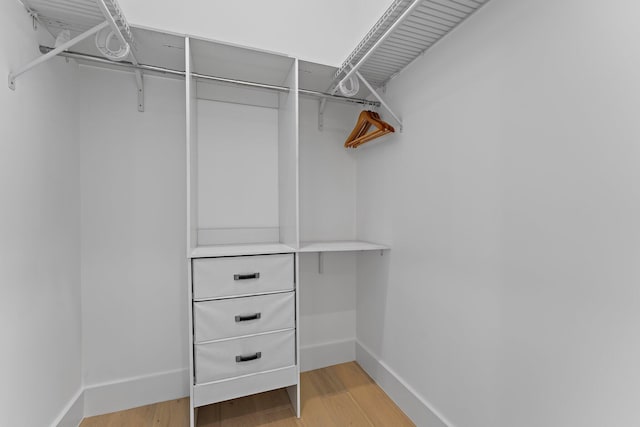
(178, 73)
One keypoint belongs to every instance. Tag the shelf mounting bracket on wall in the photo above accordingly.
(140, 84)
(379, 98)
(64, 46)
(85, 18)
(114, 25)
(321, 105)
(323, 102)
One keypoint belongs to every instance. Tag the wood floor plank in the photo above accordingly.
(142, 416)
(341, 395)
(381, 410)
(173, 413)
(209, 416)
(334, 400)
(256, 409)
(312, 411)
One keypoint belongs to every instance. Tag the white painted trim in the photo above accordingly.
(73, 412)
(325, 354)
(420, 410)
(135, 391)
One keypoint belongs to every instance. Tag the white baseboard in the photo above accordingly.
(73, 412)
(133, 392)
(421, 411)
(318, 356)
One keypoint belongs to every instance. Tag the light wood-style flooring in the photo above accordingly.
(340, 395)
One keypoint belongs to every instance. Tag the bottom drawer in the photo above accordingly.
(241, 356)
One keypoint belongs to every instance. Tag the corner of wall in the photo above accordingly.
(73, 413)
(421, 412)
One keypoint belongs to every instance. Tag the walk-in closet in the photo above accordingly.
(380, 213)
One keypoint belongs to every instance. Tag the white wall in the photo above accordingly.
(324, 32)
(511, 203)
(40, 362)
(133, 240)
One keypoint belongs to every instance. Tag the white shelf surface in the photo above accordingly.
(341, 246)
(237, 250)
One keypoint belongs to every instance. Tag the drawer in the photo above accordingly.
(243, 275)
(234, 317)
(231, 358)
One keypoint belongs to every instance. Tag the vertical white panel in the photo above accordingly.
(288, 160)
(192, 152)
(192, 207)
(294, 390)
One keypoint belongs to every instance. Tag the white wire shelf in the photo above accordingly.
(77, 16)
(72, 22)
(405, 31)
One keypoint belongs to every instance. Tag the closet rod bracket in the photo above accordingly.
(13, 75)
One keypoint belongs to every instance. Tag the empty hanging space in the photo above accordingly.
(328, 264)
(243, 144)
(328, 186)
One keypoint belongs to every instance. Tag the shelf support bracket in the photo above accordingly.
(333, 90)
(64, 46)
(116, 30)
(140, 84)
(379, 98)
(321, 106)
(320, 263)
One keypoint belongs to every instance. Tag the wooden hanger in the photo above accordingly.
(366, 120)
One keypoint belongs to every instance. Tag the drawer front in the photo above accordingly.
(241, 356)
(235, 317)
(244, 275)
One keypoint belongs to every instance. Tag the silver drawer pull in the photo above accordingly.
(246, 318)
(246, 276)
(254, 356)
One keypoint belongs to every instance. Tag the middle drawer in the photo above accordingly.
(235, 317)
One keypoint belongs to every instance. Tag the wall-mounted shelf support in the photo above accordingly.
(379, 98)
(74, 16)
(140, 84)
(373, 92)
(15, 74)
(326, 96)
(321, 107)
(116, 30)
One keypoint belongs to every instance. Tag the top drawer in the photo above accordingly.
(243, 275)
